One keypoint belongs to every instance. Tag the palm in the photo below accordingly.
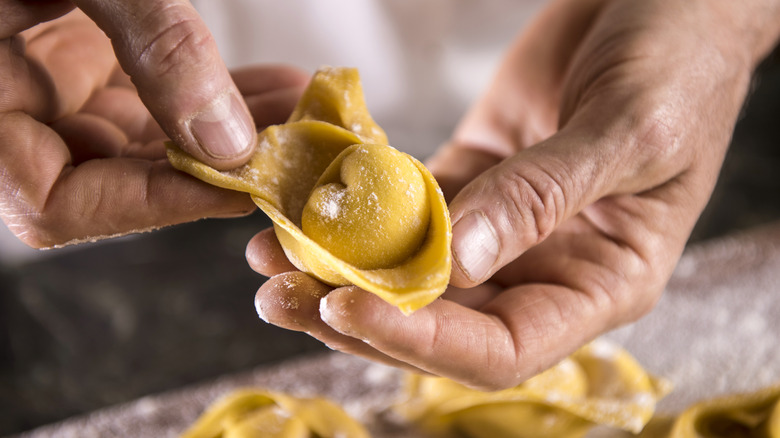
(73, 83)
(111, 123)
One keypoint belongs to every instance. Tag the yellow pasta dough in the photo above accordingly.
(252, 413)
(599, 384)
(371, 234)
(347, 208)
(751, 415)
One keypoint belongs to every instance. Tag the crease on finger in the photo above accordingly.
(293, 301)
(545, 323)
(442, 338)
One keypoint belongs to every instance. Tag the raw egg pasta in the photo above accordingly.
(755, 414)
(347, 208)
(250, 413)
(601, 384)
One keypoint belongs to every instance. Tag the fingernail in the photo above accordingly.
(234, 214)
(327, 315)
(224, 129)
(333, 317)
(474, 246)
(260, 311)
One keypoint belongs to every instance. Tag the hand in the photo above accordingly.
(81, 156)
(578, 179)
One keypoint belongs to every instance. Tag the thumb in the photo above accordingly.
(517, 203)
(174, 63)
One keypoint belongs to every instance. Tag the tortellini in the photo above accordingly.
(345, 198)
(347, 208)
(599, 384)
(253, 413)
(752, 415)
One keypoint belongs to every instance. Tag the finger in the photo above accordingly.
(19, 15)
(522, 332)
(273, 107)
(631, 273)
(521, 107)
(518, 203)
(263, 79)
(455, 165)
(173, 60)
(54, 203)
(61, 65)
(473, 298)
(292, 301)
(271, 92)
(123, 108)
(90, 137)
(266, 256)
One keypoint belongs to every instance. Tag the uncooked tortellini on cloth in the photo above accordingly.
(253, 413)
(748, 415)
(600, 384)
(347, 208)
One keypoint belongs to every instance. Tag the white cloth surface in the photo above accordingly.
(714, 332)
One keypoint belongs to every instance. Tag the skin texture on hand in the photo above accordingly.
(81, 141)
(575, 182)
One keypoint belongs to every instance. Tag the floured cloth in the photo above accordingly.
(715, 331)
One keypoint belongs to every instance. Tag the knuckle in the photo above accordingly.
(30, 228)
(626, 290)
(631, 308)
(534, 200)
(177, 39)
(657, 136)
(51, 218)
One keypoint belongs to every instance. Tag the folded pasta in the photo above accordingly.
(600, 384)
(346, 207)
(251, 413)
(748, 415)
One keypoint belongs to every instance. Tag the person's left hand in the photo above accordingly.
(81, 155)
(579, 177)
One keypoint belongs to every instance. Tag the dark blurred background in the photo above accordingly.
(100, 324)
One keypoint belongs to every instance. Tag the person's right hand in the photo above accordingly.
(82, 123)
(575, 182)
